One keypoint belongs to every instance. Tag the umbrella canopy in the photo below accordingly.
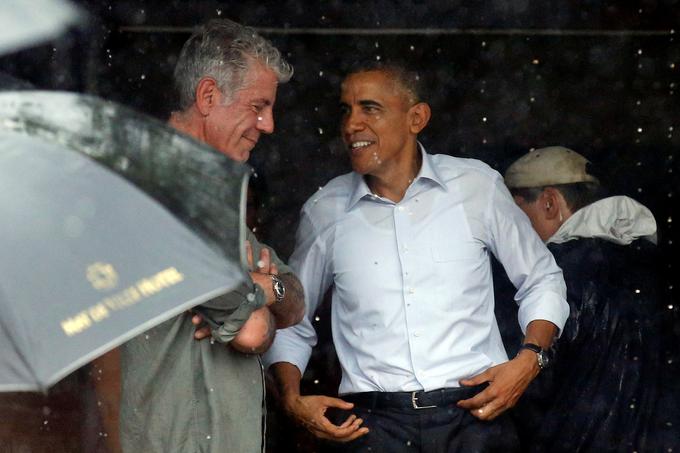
(111, 223)
(26, 23)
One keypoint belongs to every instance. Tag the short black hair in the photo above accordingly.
(409, 79)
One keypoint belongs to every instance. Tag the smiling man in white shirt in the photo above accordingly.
(405, 241)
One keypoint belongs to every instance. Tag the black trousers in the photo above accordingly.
(404, 422)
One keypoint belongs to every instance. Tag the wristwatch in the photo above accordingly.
(278, 287)
(542, 355)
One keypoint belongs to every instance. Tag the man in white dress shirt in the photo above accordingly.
(404, 241)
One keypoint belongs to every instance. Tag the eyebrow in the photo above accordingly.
(262, 101)
(363, 103)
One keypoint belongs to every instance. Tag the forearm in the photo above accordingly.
(291, 309)
(541, 332)
(257, 333)
(288, 378)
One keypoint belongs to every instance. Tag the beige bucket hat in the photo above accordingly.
(548, 166)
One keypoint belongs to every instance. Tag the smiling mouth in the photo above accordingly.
(359, 145)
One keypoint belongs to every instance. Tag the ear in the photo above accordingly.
(550, 203)
(419, 116)
(207, 95)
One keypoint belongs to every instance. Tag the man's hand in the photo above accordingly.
(310, 412)
(507, 382)
(264, 267)
(261, 271)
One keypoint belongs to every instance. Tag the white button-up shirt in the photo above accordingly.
(413, 304)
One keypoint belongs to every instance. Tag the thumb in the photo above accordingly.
(475, 380)
(337, 402)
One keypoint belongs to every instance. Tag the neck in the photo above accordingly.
(393, 183)
(185, 122)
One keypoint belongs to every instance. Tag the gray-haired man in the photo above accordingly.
(182, 395)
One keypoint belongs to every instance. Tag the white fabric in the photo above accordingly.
(413, 304)
(617, 219)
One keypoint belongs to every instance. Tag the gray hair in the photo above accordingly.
(223, 49)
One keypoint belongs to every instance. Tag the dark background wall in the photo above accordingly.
(600, 77)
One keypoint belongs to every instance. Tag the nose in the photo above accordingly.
(265, 122)
(352, 122)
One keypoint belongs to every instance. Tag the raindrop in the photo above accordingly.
(483, 43)
(670, 219)
(377, 57)
(143, 76)
(320, 131)
(317, 319)
(208, 437)
(672, 65)
(45, 422)
(637, 291)
(670, 307)
(320, 73)
(484, 119)
(632, 406)
(638, 102)
(212, 390)
(146, 337)
(377, 45)
(219, 12)
(532, 99)
(46, 411)
(316, 381)
(639, 129)
(212, 340)
(250, 297)
(639, 51)
(484, 141)
(412, 47)
(535, 61)
(639, 189)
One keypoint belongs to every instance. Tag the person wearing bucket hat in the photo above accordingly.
(603, 391)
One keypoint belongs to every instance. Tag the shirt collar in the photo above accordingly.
(427, 171)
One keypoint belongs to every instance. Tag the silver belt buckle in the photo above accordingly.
(414, 402)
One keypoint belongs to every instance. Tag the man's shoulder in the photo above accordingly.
(334, 195)
(450, 167)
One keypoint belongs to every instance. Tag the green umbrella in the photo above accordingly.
(111, 223)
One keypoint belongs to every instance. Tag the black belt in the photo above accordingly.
(412, 400)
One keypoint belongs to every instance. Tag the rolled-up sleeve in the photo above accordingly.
(541, 291)
(309, 262)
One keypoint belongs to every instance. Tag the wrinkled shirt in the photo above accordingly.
(184, 395)
(412, 302)
(617, 219)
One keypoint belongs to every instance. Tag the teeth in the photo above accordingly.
(356, 145)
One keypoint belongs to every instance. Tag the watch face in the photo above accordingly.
(279, 289)
(543, 360)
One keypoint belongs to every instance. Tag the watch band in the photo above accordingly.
(542, 355)
(532, 347)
